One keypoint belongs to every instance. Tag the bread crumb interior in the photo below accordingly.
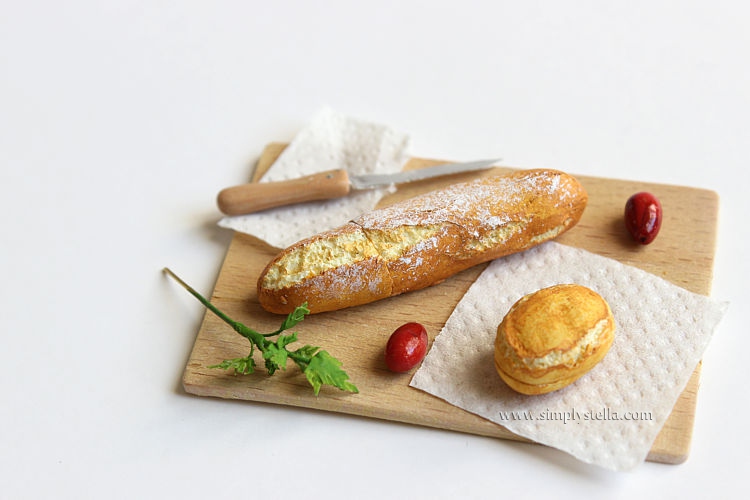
(317, 257)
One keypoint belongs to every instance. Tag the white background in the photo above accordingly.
(120, 121)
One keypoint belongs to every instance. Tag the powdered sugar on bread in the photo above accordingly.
(478, 200)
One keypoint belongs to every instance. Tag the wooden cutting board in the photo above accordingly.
(683, 253)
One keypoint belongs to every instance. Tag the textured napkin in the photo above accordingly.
(330, 141)
(609, 417)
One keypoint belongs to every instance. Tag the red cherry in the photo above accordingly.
(643, 217)
(406, 347)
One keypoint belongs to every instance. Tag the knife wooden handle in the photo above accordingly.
(257, 196)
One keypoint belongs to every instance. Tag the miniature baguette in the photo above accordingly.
(422, 241)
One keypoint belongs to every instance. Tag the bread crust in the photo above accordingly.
(550, 338)
(421, 241)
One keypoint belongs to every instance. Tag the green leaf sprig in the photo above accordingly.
(319, 367)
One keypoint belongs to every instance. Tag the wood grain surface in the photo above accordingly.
(683, 254)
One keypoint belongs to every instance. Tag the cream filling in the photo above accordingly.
(569, 357)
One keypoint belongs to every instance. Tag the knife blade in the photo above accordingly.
(330, 184)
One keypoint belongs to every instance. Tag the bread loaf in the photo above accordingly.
(421, 241)
(552, 337)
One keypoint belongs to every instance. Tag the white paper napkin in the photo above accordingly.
(330, 141)
(611, 416)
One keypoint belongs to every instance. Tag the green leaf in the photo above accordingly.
(276, 353)
(242, 366)
(325, 369)
(295, 317)
(303, 355)
(285, 340)
(307, 352)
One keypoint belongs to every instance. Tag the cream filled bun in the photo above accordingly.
(552, 337)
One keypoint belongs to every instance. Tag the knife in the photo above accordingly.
(257, 196)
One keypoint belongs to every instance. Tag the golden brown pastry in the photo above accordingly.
(422, 241)
(552, 337)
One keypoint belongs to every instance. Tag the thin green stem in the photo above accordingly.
(318, 366)
(240, 328)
